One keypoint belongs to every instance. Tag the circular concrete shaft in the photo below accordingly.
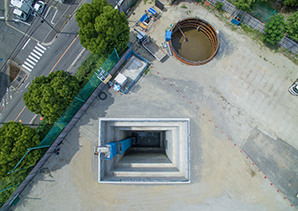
(194, 41)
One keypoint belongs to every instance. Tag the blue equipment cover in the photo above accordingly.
(114, 150)
(236, 22)
(144, 17)
(168, 35)
(125, 144)
(152, 11)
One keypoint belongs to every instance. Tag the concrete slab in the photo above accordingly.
(276, 159)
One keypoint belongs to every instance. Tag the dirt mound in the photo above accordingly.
(13, 71)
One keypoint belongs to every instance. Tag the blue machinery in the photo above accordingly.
(113, 148)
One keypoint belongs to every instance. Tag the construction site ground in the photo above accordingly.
(243, 131)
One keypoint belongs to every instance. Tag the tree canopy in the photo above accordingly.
(50, 96)
(102, 28)
(291, 26)
(244, 5)
(291, 2)
(15, 138)
(274, 29)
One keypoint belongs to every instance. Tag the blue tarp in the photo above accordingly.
(152, 11)
(236, 22)
(144, 17)
(168, 35)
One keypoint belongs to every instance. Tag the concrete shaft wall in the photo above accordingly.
(146, 166)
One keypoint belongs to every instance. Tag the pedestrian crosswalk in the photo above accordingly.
(34, 57)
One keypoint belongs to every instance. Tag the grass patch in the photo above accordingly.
(249, 30)
(184, 7)
(88, 67)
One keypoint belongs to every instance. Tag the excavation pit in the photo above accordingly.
(158, 153)
(194, 41)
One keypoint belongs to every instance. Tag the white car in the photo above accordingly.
(294, 88)
(39, 7)
(20, 14)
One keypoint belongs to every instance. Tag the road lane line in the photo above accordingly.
(33, 54)
(64, 53)
(54, 17)
(47, 13)
(35, 51)
(52, 70)
(27, 68)
(26, 43)
(30, 61)
(19, 113)
(39, 49)
(29, 65)
(32, 58)
(41, 46)
(76, 59)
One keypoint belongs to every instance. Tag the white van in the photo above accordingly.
(20, 14)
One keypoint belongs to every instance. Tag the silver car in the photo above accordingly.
(39, 7)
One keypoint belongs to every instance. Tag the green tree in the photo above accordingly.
(102, 28)
(291, 26)
(50, 96)
(15, 138)
(291, 2)
(274, 29)
(219, 6)
(244, 5)
(88, 67)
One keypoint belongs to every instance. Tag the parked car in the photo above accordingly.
(20, 14)
(39, 7)
(294, 88)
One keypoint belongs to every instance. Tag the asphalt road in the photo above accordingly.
(59, 56)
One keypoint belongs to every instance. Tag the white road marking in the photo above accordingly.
(32, 58)
(47, 13)
(27, 85)
(41, 46)
(29, 65)
(33, 54)
(54, 17)
(27, 68)
(30, 61)
(35, 51)
(26, 43)
(39, 49)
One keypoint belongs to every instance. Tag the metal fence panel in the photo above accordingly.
(290, 45)
(253, 22)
